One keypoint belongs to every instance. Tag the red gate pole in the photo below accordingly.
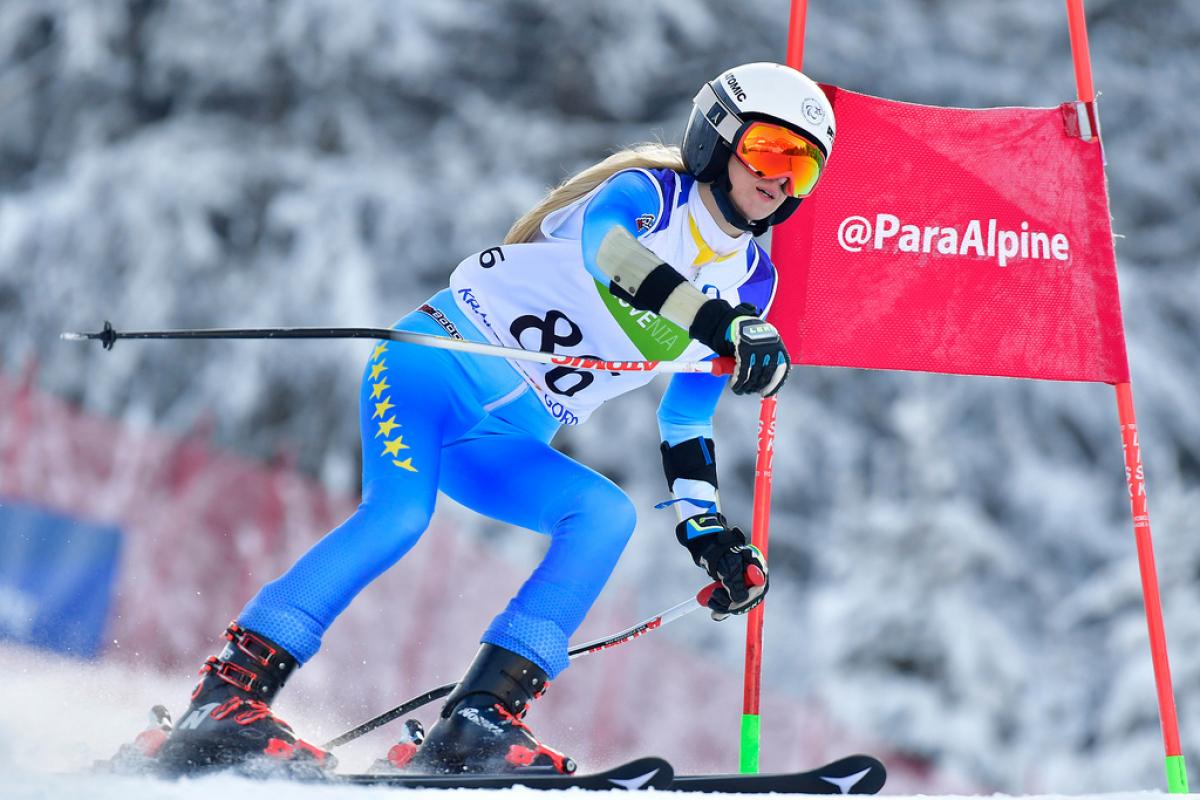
(1134, 474)
(796, 25)
(752, 679)
(1135, 479)
(760, 527)
(1177, 781)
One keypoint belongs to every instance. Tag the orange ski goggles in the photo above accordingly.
(773, 151)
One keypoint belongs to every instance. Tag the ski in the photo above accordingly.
(857, 774)
(851, 775)
(642, 773)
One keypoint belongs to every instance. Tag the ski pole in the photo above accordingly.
(108, 337)
(670, 615)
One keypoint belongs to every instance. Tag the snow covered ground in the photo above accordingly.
(28, 786)
(59, 715)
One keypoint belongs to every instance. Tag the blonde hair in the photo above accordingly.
(650, 155)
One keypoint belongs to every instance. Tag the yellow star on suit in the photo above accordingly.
(382, 406)
(394, 447)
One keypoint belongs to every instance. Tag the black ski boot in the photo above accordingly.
(481, 729)
(229, 722)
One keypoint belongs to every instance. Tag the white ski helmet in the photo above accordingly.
(738, 96)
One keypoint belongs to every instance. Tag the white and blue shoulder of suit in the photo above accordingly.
(664, 210)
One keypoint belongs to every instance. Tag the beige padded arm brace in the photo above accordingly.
(627, 262)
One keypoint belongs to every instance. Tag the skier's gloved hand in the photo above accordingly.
(762, 360)
(722, 551)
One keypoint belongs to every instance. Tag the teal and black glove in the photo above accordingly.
(722, 552)
(762, 360)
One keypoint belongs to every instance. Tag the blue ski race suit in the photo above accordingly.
(439, 420)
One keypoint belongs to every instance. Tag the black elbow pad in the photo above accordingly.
(694, 459)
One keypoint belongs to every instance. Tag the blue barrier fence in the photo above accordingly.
(56, 579)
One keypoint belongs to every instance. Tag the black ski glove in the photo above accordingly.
(762, 360)
(723, 553)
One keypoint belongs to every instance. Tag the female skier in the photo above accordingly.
(647, 255)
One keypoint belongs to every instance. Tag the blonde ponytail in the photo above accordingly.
(644, 156)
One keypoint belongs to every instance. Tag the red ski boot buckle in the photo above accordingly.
(238, 677)
(250, 644)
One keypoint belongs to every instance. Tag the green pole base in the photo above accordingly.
(1177, 782)
(751, 732)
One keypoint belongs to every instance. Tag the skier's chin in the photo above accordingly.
(755, 210)
(755, 215)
